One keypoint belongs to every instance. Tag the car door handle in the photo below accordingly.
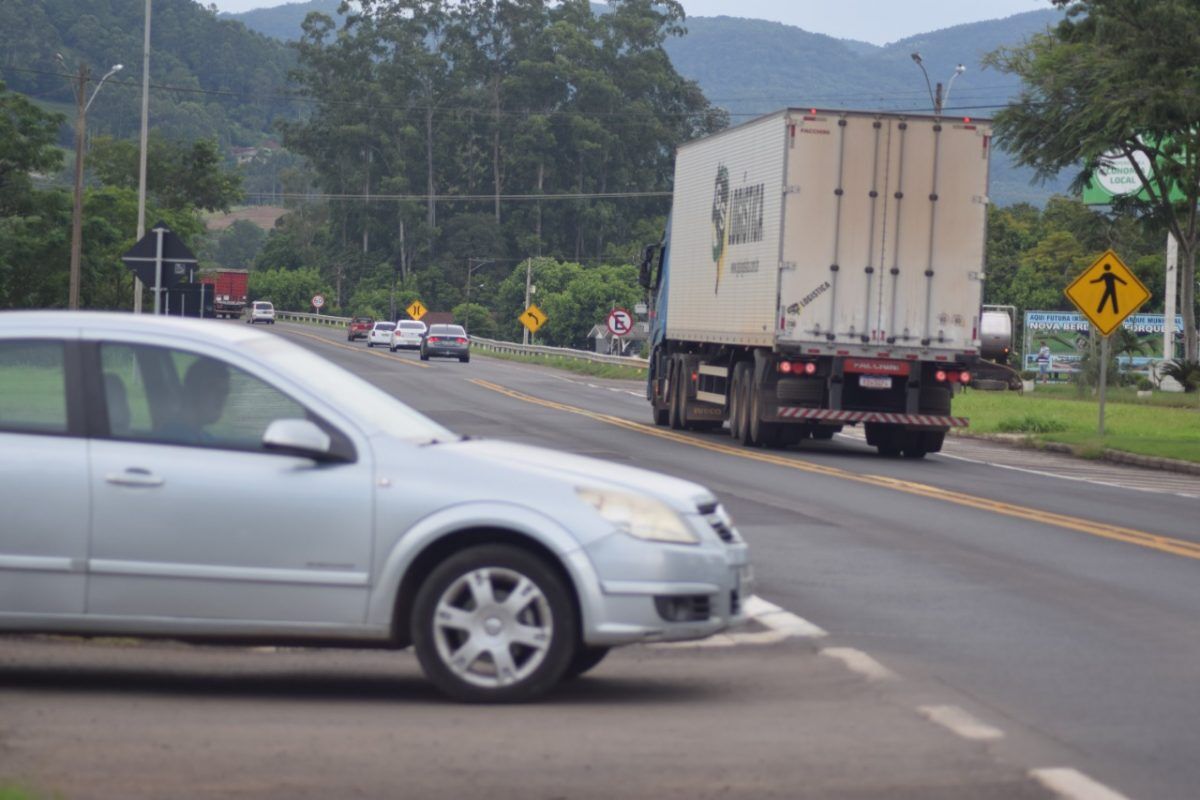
(135, 476)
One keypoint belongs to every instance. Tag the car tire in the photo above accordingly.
(585, 659)
(517, 650)
(424, 357)
(465, 359)
(370, 343)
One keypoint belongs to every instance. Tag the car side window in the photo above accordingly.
(178, 397)
(33, 387)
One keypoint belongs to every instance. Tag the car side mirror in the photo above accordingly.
(298, 437)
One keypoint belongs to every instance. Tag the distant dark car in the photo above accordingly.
(446, 341)
(359, 326)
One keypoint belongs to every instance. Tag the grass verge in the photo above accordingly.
(592, 368)
(1166, 425)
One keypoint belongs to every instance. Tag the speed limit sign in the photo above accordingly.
(318, 300)
(620, 322)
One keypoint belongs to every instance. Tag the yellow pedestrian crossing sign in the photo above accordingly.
(533, 318)
(1107, 292)
(416, 310)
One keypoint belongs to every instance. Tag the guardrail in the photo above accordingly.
(319, 319)
(563, 352)
(490, 344)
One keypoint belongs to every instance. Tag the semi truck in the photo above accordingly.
(821, 268)
(230, 287)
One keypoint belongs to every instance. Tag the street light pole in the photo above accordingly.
(936, 97)
(141, 226)
(81, 107)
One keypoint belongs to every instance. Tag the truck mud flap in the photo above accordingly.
(930, 421)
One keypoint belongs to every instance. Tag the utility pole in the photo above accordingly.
(141, 225)
(528, 286)
(81, 82)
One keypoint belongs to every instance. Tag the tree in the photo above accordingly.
(1117, 76)
(27, 137)
(238, 245)
(177, 174)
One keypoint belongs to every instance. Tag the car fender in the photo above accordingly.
(509, 517)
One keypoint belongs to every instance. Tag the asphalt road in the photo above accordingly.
(992, 623)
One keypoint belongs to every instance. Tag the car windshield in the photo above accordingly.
(352, 394)
(384, 326)
(448, 330)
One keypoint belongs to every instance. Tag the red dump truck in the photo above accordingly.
(229, 291)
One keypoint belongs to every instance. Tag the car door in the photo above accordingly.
(193, 519)
(43, 478)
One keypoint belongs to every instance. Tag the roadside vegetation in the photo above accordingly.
(1165, 425)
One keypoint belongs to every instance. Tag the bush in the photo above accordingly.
(1031, 424)
(1144, 385)
(1028, 375)
(1186, 372)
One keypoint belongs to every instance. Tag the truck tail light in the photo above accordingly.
(964, 377)
(785, 367)
(940, 376)
(810, 368)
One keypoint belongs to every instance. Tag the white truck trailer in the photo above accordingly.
(821, 269)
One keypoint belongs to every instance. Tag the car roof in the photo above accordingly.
(202, 330)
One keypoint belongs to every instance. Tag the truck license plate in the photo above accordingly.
(875, 381)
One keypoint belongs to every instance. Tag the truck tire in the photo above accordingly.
(740, 391)
(548, 608)
(675, 395)
(933, 440)
(761, 433)
(884, 438)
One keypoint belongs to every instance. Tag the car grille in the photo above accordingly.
(721, 524)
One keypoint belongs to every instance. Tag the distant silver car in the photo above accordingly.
(171, 477)
(260, 311)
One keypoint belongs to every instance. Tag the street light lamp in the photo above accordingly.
(81, 106)
(935, 96)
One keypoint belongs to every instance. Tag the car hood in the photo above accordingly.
(684, 496)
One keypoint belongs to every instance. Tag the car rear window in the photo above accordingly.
(448, 330)
(412, 326)
(384, 326)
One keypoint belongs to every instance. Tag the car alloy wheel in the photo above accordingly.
(494, 624)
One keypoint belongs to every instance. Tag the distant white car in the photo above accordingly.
(408, 334)
(381, 334)
(261, 311)
(507, 567)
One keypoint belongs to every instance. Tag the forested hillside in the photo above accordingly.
(213, 78)
(752, 67)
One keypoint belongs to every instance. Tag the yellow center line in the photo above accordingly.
(369, 351)
(1153, 541)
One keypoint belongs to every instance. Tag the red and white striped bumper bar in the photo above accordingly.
(827, 415)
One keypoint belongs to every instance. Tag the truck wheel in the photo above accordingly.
(740, 424)
(761, 434)
(677, 396)
(933, 440)
(494, 624)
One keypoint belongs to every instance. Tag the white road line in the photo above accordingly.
(961, 723)
(1074, 785)
(859, 662)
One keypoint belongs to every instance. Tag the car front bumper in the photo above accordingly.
(705, 585)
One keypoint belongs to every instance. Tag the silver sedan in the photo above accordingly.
(169, 477)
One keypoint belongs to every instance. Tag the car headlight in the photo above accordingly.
(638, 515)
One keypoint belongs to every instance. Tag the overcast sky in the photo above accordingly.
(875, 21)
